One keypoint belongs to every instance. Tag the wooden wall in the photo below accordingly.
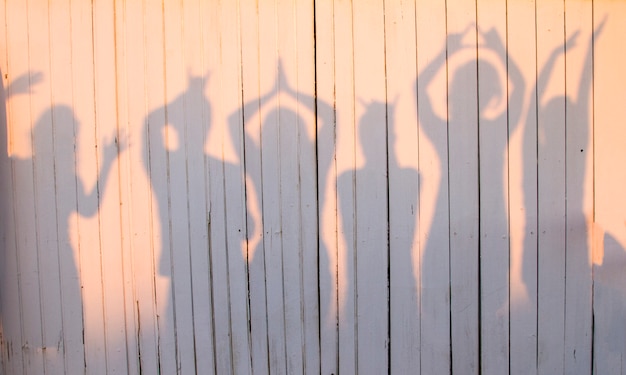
(323, 187)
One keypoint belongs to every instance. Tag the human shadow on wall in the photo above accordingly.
(178, 170)
(471, 148)
(555, 175)
(58, 195)
(55, 160)
(363, 198)
(9, 289)
(284, 173)
(202, 297)
(377, 204)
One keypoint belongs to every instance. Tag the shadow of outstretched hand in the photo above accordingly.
(114, 146)
(23, 83)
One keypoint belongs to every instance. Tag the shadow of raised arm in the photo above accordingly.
(428, 118)
(584, 88)
(515, 98)
(91, 199)
(23, 83)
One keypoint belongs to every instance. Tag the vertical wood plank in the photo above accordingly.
(433, 201)
(346, 215)
(85, 232)
(106, 120)
(177, 137)
(156, 168)
(45, 188)
(24, 192)
(521, 49)
(219, 240)
(197, 112)
(5, 198)
(139, 204)
(371, 195)
(308, 173)
(609, 295)
(579, 188)
(327, 186)
(216, 198)
(251, 133)
(64, 124)
(11, 306)
(289, 154)
(234, 185)
(499, 82)
(403, 160)
(464, 174)
(551, 187)
(122, 133)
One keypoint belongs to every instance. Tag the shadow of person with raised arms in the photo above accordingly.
(471, 153)
(558, 164)
(284, 173)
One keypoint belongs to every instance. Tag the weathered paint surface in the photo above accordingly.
(284, 187)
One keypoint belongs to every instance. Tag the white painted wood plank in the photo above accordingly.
(434, 222)
(294, 144)
(551, 187)
(501, 90)
(122, 132)
(270, 189)
(156, 170)
(308, 174)
(6, 192)
(327, 186)
(84, 229)
(45, 190)
(218, 255)
(523, 194)
(371, 196)
(106, 120)
(64, 125)
(346, 213)
(177, 91)
(234, 185)
(139, 204)
(11, 360)
(403, 161)
(579, 188)
(464, 180)
(609, 297)
(250, 132)
(197, 117)
(24, 194)
(11, 314)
